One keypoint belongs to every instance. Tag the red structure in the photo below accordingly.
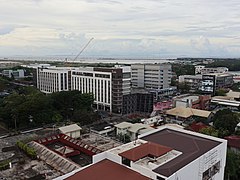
(77, 145)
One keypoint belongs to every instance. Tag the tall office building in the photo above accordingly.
(53, 79)
(153, 77)
(108, 85)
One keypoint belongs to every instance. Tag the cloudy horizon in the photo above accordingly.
(122, 29)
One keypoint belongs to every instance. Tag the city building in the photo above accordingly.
(154, 77)
(53, 79)
(166, 153)
(72, 130)
(192, 101)
(213, 82)
(132, 130)
(138, 101)
(184, 114)
(203, 70)
(225, 102)
(108, 85)
(16, 74)
(193, 81)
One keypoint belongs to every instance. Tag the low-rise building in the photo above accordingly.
(204, 70)
(183, 113)
(72, 130)
(213, 82)
(225, 102)
(192, 101)
(193, 81)
(132, 130)
(17, 74)
(166, 153)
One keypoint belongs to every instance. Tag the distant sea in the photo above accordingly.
(89, 60)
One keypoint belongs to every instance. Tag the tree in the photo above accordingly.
(225, 121)
(232, 168)
(209, 131)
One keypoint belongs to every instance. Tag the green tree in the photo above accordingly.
(232, 168)
(225, 121)
(209, 131)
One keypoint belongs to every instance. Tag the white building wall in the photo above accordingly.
(195, 169)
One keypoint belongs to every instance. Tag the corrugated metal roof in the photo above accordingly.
(188, 112)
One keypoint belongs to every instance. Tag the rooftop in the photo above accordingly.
(123, 125)
(144, 150)
(188, 112)
(233, 141)
(107, 170)
(70, 128)
(191, 147)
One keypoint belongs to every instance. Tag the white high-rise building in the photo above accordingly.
(108, 85)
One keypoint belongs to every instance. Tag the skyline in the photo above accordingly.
(121, 29)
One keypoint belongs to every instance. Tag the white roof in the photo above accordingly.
(70, 128)
(136, 127)
(123, 125)
(233, 94)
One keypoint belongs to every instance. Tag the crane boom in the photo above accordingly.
(83, 49)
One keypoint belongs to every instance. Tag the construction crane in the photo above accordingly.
(80, 51)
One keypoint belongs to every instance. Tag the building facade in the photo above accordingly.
(53, 79)
(108, 85)
(17, 74)
(215, 81)
(193, 81)
(204, 70)
(153, 77)
(160, 154)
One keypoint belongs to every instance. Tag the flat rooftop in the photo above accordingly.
(190, 146)
(107, 170)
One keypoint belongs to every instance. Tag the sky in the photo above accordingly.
(120, 28)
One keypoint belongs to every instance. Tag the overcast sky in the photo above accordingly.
(120, 28)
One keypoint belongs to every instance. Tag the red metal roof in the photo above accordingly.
(233, 141)
(107, 170)
(144, 150)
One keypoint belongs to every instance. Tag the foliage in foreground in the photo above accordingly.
(28, 107)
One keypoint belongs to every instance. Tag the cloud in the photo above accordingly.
(120, 28)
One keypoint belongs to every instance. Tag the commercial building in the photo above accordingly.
(53, 79)
(108, 85)
(154, 77)
(213, 82)
(193, 81)
(138, 101)
(166, 153)
(204, 70)
(17, 74)
(192, 101)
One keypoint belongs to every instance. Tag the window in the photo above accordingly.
(126, 161)
(209, 173)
